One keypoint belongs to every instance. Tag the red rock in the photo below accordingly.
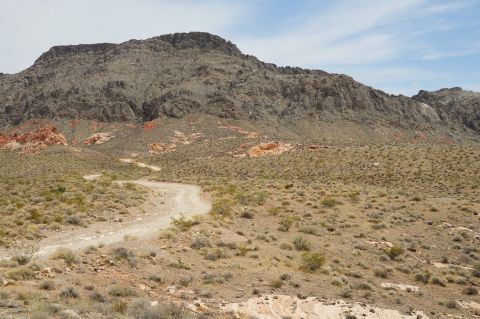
(157, 148)
(33, 142)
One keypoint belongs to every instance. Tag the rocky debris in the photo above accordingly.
(282, 306)
(98, 138)
(33, 142)
(238, 129)
(158, 148)
(272, 148)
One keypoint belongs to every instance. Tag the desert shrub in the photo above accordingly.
(47, 285)
(311, 262)
(247, 214)
(122, 253)
(221, 208)
(73, 220)
(121, 291)
(450, 304)
(276, 284)
(155, 278)
(22, 253)
(69, 292)
(179, 264)
(329, 202)
(312, 230)
(285, 223)
(423, 277)
(43, 310)
(260, 198)
(382, 273)
(183, 224)
(97, 297)
(394, 252)
(476, 270)
(141, 309)
(90, 250)
(21, 273)
(65, 254)
(470, 291)
(216, 254)
(200, 242)
(301, 243)
(439, 281)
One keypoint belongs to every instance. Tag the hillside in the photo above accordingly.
(198, 73)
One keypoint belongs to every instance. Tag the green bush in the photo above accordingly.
(394, 252)
(311, 262)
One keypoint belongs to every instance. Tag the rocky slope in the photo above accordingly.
(454, 106)
(199, 73)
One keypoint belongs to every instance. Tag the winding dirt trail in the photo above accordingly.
(166, 201)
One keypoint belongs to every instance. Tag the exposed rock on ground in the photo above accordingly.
(272, 148)
(182, 138)
(98, 138)
(157, 148)
(281, 306)
(238, 129)
(149, 125)
(33, 142)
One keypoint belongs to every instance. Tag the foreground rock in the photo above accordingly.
(281, 306)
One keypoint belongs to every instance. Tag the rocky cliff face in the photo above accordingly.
(179, 74)
(455, 106)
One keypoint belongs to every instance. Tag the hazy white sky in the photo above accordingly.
(397, 46)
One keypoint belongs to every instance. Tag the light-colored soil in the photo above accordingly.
(282, 306)
(166, 201)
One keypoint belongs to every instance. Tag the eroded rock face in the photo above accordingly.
(33, 142)
(98, 138)
(273, 148)
(282, 306)
(455, 106)
(182, 74)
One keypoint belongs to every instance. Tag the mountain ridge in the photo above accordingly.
(199, 73)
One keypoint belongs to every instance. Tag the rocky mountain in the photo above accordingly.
(454, 106)
(198, 73)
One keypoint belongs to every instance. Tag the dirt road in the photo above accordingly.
(166, 200)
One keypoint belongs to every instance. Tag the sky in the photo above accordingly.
(399, 46)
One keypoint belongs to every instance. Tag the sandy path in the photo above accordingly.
(166, 200)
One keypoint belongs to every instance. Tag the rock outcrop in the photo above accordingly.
(32, 142)
(272, 148)
(455, 106)
(158, 148)
(98, 138)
